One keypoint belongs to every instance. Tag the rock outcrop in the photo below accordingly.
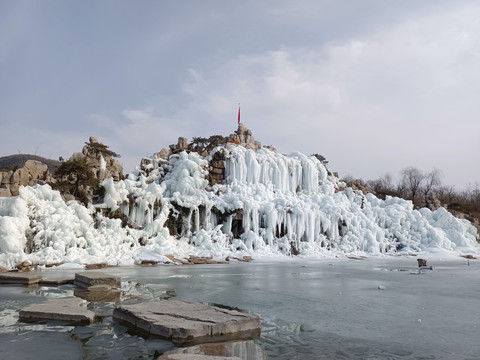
(32, 173)
(203, 146)
(359, 184)
(101, 160)
(243, 136)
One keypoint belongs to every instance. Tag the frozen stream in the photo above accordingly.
(322, 309)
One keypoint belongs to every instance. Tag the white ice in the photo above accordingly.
(281, 204)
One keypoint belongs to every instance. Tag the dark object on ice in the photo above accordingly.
(422, 264)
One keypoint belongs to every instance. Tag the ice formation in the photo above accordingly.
(268, 204)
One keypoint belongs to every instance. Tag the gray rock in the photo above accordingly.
(194, 357)
(19, 278)
(5, 192)
(56, 281)
(181, 320)
(182, 143)
(66, 309)
(99, 293)
(88, 279)
(245, 350)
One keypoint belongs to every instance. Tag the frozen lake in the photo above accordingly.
(322, 309)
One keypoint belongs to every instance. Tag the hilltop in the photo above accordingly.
(16, 161)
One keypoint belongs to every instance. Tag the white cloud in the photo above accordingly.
(370, 104)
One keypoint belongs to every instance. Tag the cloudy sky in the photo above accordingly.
(374, 86)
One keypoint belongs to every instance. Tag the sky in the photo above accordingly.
(374, 86)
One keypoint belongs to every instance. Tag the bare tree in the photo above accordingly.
(411, 181)
(432, 181)
(383, 186)
(446, 194)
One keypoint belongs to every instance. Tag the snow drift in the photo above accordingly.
(268, 204)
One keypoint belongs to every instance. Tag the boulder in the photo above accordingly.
(5, 192)
(182, 320)
(66, 309)
(182, 143)
(243, 136)
(36, 169)
(359, 184)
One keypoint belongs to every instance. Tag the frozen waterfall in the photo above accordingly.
(269, 203)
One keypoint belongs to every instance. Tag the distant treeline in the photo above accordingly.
(423, 188)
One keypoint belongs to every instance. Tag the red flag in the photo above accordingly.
(238, 113)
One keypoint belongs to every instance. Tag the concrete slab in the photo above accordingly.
(244, 350)
(182, 320)
(195, 357)
(99, 293)
(19, 278)
(56, 281)
(92, 278)
(65, 309)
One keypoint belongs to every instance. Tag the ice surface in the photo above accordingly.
(310, 309)
(270, 204)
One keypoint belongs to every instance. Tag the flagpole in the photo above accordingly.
(238, 113)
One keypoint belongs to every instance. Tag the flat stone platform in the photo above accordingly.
(65, 309)
(182, 320)
(88, 279)
(236, 349)
(195, 357)
(56, 281)
(19, 278)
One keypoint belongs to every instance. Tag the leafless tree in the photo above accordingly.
(383, 186)
(431, 181)
(411, 181)
(446, 194)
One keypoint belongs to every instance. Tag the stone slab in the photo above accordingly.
(69, 309)
(99, 293)
(195, 357)
(19, 278)
(182, 320)
(56, 282)
(88, 279)
(244, 350)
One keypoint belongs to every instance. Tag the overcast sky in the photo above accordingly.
(374, 86)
